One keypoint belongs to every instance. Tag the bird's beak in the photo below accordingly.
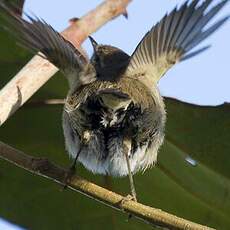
(94, 43)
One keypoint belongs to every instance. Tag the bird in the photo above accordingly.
(114, 115)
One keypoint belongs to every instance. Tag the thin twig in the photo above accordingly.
(36, 103)
(38, 71)
(45, 168)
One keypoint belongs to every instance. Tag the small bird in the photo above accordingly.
(114, 116)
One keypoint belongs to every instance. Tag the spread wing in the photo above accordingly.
(173, 39)
(37, 35)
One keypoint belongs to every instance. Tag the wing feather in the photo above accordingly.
(173, 39)
(37, 35)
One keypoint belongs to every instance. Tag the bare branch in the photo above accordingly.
(44, 103)
(45, 168)
(38, 71)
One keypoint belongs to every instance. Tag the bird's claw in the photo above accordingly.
(125, 199)
(128, 198)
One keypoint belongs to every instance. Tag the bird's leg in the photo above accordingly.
(127, 149)
(71, 169)
(131, 181)
(73, 166)
(85, 139)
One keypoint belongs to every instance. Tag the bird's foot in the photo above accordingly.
(126, 199)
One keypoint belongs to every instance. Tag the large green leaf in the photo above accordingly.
(201, 132)
(199, 193)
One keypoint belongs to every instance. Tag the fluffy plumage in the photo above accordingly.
(114, 107)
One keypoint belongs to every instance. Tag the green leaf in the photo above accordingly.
(201, 132)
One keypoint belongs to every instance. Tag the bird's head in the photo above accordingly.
(108, 61)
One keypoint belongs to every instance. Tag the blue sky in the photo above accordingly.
(4, 225)
(201, 80)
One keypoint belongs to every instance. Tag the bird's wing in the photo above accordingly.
(172, 39)
(37, 35)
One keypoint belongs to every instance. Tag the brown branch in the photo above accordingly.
(36, 103)
(38, 71)
(45, 168)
